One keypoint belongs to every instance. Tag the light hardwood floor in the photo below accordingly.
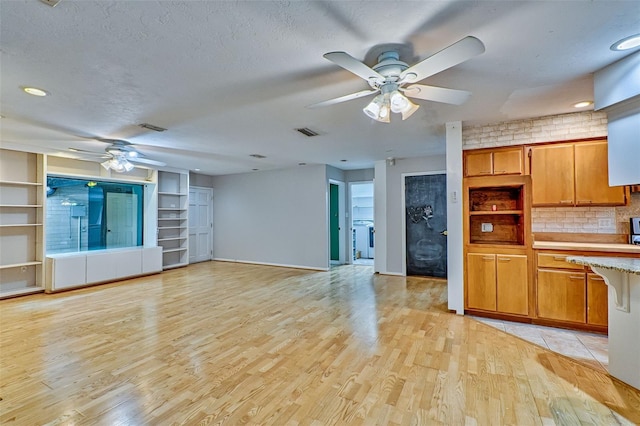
(222, 343)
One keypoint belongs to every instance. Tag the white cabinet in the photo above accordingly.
(21, 222)
(173, 222)
(68, 270)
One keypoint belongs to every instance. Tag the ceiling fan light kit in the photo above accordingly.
(389, 76)
(118, 164)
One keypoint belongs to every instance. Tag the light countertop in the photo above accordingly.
(600, 247)
(623, 264)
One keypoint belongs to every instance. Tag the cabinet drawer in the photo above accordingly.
(556, 260)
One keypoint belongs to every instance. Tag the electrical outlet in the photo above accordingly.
(605, 223)
(487, 227)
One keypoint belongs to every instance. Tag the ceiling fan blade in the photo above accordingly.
(437, 94)
(448, 57)
(353, 65)
(146, 161)
(93, 153)
(343, 98)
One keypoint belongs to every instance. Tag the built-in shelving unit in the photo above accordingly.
(173, 226)
(496, 215)
(21, 223)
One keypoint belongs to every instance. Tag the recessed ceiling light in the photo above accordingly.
(196, 170)
(627, 43)
(583, 104)
(35, 91)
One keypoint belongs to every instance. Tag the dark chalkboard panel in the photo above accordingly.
(426, 221)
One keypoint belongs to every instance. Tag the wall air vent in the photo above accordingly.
(307, 132)
(152, 127)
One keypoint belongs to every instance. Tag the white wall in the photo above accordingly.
(455, 239)
(275, 217)
(394, 208)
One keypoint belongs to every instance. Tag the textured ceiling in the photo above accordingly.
(230, 79)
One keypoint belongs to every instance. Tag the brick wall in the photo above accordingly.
(588, 124)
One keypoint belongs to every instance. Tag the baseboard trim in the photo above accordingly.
(395, 274)
(280, 265)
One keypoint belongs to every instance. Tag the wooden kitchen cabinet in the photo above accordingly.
(572, 174)
(498, 283)
(569, 294)
(592, 176)
(498, 161)
(561, 295)
(481, 281)
(597, 300)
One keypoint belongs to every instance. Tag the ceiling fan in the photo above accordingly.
(121, 156)
(393, 79)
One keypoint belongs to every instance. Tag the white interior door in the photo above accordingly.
(121, 219)
(200, 224)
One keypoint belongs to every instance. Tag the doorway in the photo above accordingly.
(362, 223)
(200, 224)
(121, 219)
(336, 222)
(425, 237)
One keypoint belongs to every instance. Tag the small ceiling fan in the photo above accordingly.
(120, 156)
(393, 79)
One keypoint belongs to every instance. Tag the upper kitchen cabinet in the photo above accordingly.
(572, 174)
(497, 161)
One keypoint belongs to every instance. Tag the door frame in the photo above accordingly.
(341, 220)
(350, 246)
(210, 218)
(404, 212)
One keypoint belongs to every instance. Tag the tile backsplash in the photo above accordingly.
(600, 220)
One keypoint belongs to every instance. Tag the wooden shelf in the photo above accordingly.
(175, 265)
(172, 239)
(21, 206)
(172, 227)
(20, 265)
(496, 212)
(20, 225)
(175, 209)
(172, 218)
(16, 183)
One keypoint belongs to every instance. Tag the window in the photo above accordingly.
(87, 214)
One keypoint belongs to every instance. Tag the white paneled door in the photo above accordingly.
(200, 224)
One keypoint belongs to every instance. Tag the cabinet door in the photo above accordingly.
(552, 175)
(512, 284)
(597, 300)
(561, 295)
(592, 176)
(478, 164)
(481, 281)
(508, 162)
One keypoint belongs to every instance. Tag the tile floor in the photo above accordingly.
(588, 348)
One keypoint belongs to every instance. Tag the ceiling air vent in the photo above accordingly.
(152, 127)
(307, 132)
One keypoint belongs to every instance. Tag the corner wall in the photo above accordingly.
(276, 217)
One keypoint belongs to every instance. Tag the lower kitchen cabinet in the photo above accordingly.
(498, 283)
(562, 295)
(570, 294)
(597, 297)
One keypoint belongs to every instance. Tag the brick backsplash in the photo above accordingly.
(588, 124)
(595, 220)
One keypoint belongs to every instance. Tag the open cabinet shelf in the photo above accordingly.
(22, 200)
(173, 202)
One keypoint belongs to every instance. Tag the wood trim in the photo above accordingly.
(580, 237)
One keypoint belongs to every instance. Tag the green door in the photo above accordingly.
(334, 229)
